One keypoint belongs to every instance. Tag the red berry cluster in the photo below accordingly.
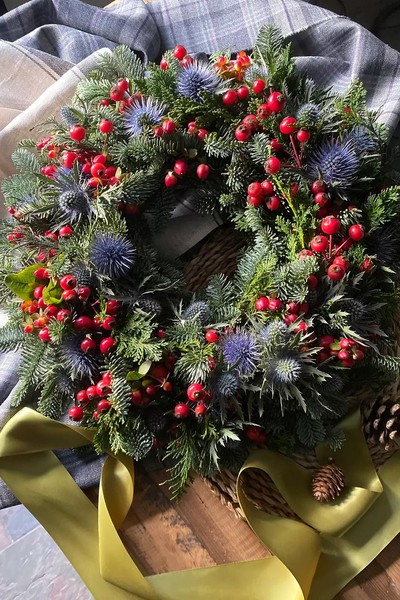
(197, 394)
(181, 168)
(154, 383)
(233, 69)
(180, 53)
(93, 395)
(346, 350)
(256, 435)
(263, 193)
(264, 303)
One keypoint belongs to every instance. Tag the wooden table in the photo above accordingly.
(199, 531)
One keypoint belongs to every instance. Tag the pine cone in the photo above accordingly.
(382, 424)
(327, 483)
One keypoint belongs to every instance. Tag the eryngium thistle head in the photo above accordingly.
(198, 311)
(333, 385)
(65, 385)
(67, 117)
(274, 333)
(74, 203)
(80, 363)
(196, 78)
(308, 113)
(150, 305)
(360, 138)
(357, 311)
(112, 254)
(240, 351)
(285, 370)
(337, 162)
(384, 243)
(225, 384)
(84, 276)
(143, 112)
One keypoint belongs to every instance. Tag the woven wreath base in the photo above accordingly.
(219, 253)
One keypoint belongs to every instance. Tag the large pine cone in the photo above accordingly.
(327, 483)
(382, 424)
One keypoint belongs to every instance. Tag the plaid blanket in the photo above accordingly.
(50, 45)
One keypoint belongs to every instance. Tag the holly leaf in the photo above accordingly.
(23, 283)
(134, 376)
(52, 293)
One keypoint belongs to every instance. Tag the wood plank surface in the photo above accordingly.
(199, 531)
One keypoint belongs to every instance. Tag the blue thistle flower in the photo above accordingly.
(195, 78)
(240, 351)
(337, 162)
(143, 112)
(285, 370)
(112, 254)
(75, 360)
(274, 333)
(225, 384)
(360, 138)
(199, 311)
(310, 113)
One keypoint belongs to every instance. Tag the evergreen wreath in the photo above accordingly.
(268, 356)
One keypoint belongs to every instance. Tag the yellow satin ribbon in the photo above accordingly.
(312, 560)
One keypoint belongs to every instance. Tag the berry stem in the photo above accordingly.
(297, 158)
(330, 246)
(341, 245)
(288, 198)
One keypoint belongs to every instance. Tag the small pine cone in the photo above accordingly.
(150, 305)
(382, 424)
(327, 483)
(136, 442)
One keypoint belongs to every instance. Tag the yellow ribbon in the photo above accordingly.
(312, 560)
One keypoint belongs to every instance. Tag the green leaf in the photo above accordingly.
(145, 367)
(52, 294)
(23, 283)
(134, 376)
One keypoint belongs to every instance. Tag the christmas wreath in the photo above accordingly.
(268, 356)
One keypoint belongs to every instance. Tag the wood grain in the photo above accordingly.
(162, 535)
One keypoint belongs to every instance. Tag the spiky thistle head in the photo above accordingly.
(224, 383)
(196, 78)
(240, 351)
(112, 254)
(65, 385)
(198, 311)
(360, 138)
(338, 163)
(84, 276)
(74, 203)
(285, 370)
(274, 333)
(151, 305)
(357, 311)
(142, 112)
(79, 363)
(308, 114)
(384, 244)
(68, 118)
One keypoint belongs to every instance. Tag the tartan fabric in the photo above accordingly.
(58, 35)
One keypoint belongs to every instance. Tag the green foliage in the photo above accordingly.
(137, 340)
(11, 337)
(381, 208)
(291, 279)
(273, 55)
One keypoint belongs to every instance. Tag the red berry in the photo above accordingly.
(38, 292)
(137, 397)
(51, 311)
(103, 405)
(312, 282)
(255, 189)
(273, 203)
(201, 134)
(94, 182)
(267, 187)
(65, 231)
(50, 235)
(109, 323)
(272, 165)
(358, 355)
(75, 413)
(276, 102)
(200, 410)
(290, 318)
(275, 304)
(92, 392)
(321, 198)
(107, 345)
(68, 295)
(262, 303)
(44, 335)
(319, 243)
(342, 262)
(63, 315)
(346, 343)
(97, 170)
(180, 52)
(163, 64)
(293, 307)
(117, 94)
(168, 126)
(254, 200)
(256, 434)
(243, 92)
(112, 307)
(123, 84)
(343, 355)
(326, 340)
(336, 272)
(28, 328)
(181, 411)
(258, 86)
(322, 356)
(356, 232)
(82, 397)
(203, 171)
(68, 159)
(110, 172)
(302, 326)
(77, 133)
(106, 377)
(288, 125)
(349, 363)
(88, 345)
(230, 98)
(103, 388)
(42, 273)
(41, 303)
(83, 323)
(68, 282)
(167, 386)
(49, 170)
(263, 112)
(161, 333)
(275, 145)
(318, 186)
(303, 136)
(105, 126)
(330, 225)
(242, 133)
(83, 292)
(181, 167)
(195, 392)
(170, 179)
(211, 336)
(251, 121)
